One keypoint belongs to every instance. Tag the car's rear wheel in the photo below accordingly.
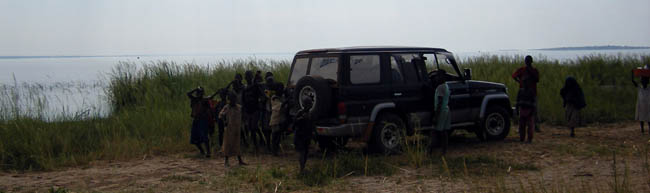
(318, 91)
(495, 124)
(387, 134)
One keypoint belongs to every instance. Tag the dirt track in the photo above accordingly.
(564, 164)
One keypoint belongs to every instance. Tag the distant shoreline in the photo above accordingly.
(143, 55)
(583, 48)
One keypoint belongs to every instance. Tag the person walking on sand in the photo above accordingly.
(527, 77)
(201, 115)
(231, 113)
(643, 100)
(573, 101)
(442, 117)
(304, 128)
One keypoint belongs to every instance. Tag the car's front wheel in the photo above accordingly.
(387, 134)
(496, 123)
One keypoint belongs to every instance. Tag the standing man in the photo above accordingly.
(251, 97)
(528, 77)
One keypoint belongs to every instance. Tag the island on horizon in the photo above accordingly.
(607, 47)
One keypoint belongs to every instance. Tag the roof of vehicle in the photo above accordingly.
(366, 49)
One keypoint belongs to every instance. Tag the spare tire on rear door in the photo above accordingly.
(318, 91)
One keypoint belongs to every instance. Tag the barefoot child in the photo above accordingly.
(202, 116)
(574, 101)
(303, 132)
(231, 113)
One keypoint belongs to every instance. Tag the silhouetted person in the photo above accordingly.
(643, 100)
(573, 102)
(201, 117)
(223, 93)
(265, 106)
(251, 97)
(304, 128)
(231, 113)
(527, 77)
(278, 107)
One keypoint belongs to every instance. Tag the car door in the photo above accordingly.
(407, 82)
(460, 93)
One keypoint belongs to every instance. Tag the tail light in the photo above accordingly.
(342, 112)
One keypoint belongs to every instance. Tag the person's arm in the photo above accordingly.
(191, 93)
(223, 111)
(634, 81)
(213, 95)
(516, 75)
(438, 106)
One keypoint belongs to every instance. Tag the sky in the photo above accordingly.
(133, 27)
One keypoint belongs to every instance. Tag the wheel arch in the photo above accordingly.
(501, 100)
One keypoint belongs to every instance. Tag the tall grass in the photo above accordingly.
(150, 115)
(150, 112)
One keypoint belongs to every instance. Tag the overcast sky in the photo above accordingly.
(107, 27)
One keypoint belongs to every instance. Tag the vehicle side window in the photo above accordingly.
(364, 69)
(410, 73)
(442, 63)
(395, 71)
(326, 67)
(299, 70)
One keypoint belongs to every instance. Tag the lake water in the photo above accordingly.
(54, 88)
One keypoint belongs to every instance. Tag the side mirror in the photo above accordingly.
(468, 73)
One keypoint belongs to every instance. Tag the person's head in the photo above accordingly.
(200, 92)
(248, 75)
(571, 82)
(258, 77)
(238, 78)
(528, 60)
(269, 77)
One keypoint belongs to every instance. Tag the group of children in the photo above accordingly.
(244, 112)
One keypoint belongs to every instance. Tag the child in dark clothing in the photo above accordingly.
(201, 115)
(304, 129)
(573, 101)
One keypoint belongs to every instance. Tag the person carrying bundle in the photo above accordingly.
(573, 101)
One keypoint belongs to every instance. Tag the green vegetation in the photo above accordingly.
(150, 112)
(150, 116)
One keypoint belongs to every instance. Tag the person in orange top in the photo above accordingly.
(528, 77)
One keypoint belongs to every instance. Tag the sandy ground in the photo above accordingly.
(565, 164)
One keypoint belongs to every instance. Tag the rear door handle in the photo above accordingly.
(397, 94)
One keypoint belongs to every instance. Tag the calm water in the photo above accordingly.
(56, 87)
